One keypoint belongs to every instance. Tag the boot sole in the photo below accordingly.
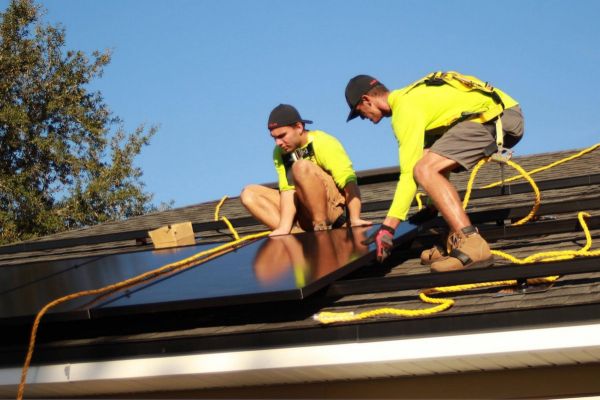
(431, 261)
(480, 264)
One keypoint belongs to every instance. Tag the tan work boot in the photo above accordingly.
(467, 250)
(320, 226)
(296, 229)
(429, 256)
(438, 251)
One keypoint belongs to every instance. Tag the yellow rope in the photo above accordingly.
(224, 219)
(231, 228)
(545, 167)
(328, 317)
(188, 262)
(558, 255)
(218, 207)
(419, 201)
(524, 174)
(472, 180)
(443, 304)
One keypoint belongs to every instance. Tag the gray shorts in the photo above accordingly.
(466, 142)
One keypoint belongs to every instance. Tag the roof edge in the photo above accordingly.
(537, 347)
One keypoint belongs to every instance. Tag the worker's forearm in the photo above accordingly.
(353, 201)
(392, 222)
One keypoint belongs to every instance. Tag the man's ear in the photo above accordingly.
(365, 98)
(299, 125)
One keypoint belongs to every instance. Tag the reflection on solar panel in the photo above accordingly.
(270, 269)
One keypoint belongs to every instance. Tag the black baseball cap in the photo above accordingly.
(284, 115)
(355, 89)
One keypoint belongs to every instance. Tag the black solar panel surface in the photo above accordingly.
(269, 269)
(27, 288)
(288, 267)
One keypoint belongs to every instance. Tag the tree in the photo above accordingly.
(65, 160)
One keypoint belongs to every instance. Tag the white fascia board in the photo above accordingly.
(409, 352)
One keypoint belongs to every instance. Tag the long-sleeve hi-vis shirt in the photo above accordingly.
(329, 154)
(417, 110)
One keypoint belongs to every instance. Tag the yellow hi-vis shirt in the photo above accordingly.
(416, 110)
(329, 154)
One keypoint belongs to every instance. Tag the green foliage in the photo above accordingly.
(65, 161)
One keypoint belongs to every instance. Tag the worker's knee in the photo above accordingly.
(302, 169)
(249, 195)
(431, 166)
(422, 172)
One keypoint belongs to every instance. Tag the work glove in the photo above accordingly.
(383, 238)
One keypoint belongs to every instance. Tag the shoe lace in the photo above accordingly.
(454, 241)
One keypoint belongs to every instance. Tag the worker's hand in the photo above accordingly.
(383, 238)
(423, 215)
(279, 231)
(360, 222)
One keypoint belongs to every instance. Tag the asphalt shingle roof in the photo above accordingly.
(241, 326)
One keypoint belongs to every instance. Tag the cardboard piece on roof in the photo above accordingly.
(173, 235)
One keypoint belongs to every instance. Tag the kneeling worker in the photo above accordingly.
(317, 183)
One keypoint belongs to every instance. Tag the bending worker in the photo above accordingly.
(445, 122)
(317, 183)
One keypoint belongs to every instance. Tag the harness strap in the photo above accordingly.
(290, 158)
(499, 133)
(501, 155)
(461, 256)
(340, 221)
(465, 84)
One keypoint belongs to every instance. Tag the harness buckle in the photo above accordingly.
(502, 155)
(303, 153)
(290, 158)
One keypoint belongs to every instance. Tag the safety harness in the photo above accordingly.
(290, 158)
(468, 84)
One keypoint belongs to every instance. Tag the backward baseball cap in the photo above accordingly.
(355, 89)
(284, 115)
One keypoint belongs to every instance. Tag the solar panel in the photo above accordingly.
(25, 289)
(288, 267)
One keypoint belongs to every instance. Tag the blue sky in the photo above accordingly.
(209, 72)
